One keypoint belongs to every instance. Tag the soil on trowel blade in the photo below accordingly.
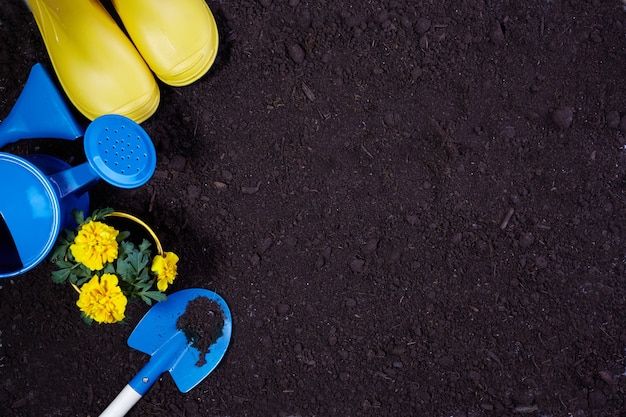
(202, 322)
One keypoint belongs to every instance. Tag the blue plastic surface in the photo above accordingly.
(32, 214)
(31, 209)
(76, 199)
(120, 151)
(157, 335)
(39, 112)
(74, 180)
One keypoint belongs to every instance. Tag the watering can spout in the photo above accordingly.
(39, 112)
(76, 180)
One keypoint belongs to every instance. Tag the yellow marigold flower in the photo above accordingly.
(102, 299)
(95, 245)
(165, 268)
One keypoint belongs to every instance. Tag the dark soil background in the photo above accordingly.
(411, 208)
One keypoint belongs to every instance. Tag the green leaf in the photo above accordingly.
(58, 252)
(70, 235)
(146, 299)
(86, 318)
(144, 246)
(62, 248)
(81, 280)
(122, 235)
(100, 214)
(81, 274)
(155, 295)
(64, 264)
(60, 276)
(138, 261)
(79, 216)
(82, 270)
(125, 271)
(124, 249)
(143, 278)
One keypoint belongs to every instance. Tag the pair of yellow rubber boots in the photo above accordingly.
(103, 72)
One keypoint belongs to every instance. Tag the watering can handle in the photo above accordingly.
(124, 401)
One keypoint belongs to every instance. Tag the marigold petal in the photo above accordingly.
(95, 245)
(102, 299)
(166, 269)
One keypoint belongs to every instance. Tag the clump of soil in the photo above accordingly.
(203, 323)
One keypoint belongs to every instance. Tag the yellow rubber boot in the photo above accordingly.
(177, 38)
(98, 67)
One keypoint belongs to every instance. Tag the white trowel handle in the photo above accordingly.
(124, 401)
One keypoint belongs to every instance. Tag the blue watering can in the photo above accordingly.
(40, 191)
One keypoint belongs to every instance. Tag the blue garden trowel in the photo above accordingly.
(170, 350)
